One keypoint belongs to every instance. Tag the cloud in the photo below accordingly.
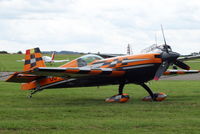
(98, 25)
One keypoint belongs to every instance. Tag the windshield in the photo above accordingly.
(155, 49)
(86, 59)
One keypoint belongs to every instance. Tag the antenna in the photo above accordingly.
(156, 39)
(163, 34)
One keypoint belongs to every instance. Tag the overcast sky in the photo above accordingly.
(105, 26)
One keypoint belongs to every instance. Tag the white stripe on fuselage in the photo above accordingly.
(133, 60)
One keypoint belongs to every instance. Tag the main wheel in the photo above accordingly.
(158, 96)
(122, 98)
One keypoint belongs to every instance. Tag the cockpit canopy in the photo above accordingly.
(156, 49)
(86, 59)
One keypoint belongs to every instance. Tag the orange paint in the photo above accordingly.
(72, 63)
(43, 82)
(117, 73)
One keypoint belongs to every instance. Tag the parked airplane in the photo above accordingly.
(48, 59)
(93, 70)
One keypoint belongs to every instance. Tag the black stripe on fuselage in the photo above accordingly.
(106, 72)
(84, 71)
(157, 56)
(137, 66)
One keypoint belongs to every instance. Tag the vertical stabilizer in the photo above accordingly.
(33, 59)
(53, 56)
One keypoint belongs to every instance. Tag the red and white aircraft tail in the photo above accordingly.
(53, 56)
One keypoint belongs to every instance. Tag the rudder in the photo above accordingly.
(33, 59)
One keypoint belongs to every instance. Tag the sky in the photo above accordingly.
(105, 26)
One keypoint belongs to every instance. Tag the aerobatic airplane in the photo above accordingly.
(93, 70)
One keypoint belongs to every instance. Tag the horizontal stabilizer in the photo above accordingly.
(22, 78)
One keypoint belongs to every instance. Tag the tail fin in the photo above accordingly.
(53, 56)
(33, 59)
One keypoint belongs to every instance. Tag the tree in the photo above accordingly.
(3, 52)
(19, 52)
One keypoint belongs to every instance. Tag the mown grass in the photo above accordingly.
(83, 110)
(8, 62)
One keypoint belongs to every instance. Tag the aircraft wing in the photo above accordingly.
(76, 72)
(20, 60)
(110, 55)
(58, 61)
(189, 58)
(22, 77)
(174, 72)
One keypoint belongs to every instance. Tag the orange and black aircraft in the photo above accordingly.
(93, 70)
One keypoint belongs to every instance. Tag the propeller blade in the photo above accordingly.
(165, 45)
(163, 35)
(181, 65)
(163, 67)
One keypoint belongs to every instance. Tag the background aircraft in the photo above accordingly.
(129, 50)
(48, 59)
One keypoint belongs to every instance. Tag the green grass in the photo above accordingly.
(83, 110)
(193, 64)
(8, 62)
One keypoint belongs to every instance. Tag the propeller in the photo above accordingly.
(182, 65)
(168, 58)
(163, 67)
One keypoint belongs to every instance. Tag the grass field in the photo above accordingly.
(8, 62)
(83, 110)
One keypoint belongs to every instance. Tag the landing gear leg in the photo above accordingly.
(33, 92)
(149, 91)
(38, 88)
(153, 96)
(121, 87)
